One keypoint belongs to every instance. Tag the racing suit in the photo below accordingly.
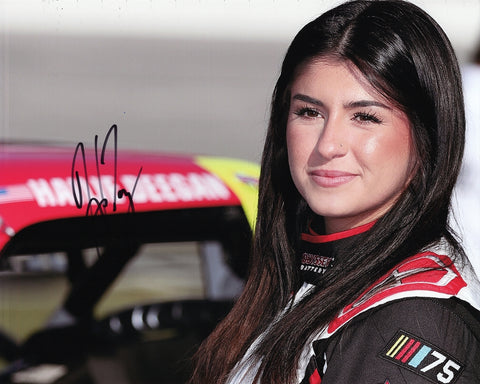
(419, 323)
(420, 329)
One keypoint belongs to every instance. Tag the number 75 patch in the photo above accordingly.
(422, 358)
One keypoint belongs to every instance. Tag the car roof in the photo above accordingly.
(41, 183)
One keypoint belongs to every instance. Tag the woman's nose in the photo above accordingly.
(332, 141)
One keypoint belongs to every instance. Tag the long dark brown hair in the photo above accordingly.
(406, 57)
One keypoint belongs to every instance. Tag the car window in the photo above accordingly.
(33, 286)
(159, 272)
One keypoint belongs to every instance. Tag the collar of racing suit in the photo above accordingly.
(317, 252)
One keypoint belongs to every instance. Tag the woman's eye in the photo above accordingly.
(309, 113)
(364, 118)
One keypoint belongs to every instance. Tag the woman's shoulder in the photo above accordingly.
(431, 317)
(413, 325)
(428, 274)
(418, 338)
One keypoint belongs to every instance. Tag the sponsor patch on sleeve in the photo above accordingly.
(423, 358)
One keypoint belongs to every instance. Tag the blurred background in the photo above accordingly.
(188, 76)
(184, 76)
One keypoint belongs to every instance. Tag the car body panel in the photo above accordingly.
(41, 183)
(241, 177)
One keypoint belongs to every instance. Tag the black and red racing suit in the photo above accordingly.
(422, 329)
(418, 324)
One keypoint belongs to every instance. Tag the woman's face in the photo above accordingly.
(350, 151)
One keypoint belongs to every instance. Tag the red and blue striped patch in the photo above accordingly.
(422, 358)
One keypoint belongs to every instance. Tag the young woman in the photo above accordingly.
(356, 276)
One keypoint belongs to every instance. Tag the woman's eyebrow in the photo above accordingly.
(365, 103)
(308, 99)
(349, 105)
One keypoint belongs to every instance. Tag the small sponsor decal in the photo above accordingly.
(315, 263)
(15, 193)
(422, 358)
(247, 179)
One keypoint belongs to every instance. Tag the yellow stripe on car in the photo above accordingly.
(240, 176)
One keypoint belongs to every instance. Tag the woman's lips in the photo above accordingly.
(329, 179)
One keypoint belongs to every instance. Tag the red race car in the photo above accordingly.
(115, 264)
